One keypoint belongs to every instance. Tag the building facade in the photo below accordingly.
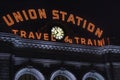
(23, 59)
(59, 40)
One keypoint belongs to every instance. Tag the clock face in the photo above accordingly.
(57, 32)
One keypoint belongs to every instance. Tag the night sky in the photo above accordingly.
(103, 13)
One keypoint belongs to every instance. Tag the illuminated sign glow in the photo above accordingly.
(18, 17)
(57, 32)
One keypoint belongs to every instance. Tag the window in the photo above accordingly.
(27, 77)
(62, 75)
(93, 76)
(29, 74)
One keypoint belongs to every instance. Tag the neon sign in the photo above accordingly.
(20, 17)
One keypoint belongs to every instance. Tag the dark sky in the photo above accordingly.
(104, 13)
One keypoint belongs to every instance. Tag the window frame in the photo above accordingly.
(32, 71)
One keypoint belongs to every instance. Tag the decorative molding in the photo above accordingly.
(38, 75)
(19, 42)
(64, 73)
(93, 75)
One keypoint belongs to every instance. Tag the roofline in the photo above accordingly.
(19, 42)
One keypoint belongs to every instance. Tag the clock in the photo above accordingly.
(57, 32)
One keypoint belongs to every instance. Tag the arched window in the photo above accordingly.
(62, 75)
(93, 76)
(29, 74)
